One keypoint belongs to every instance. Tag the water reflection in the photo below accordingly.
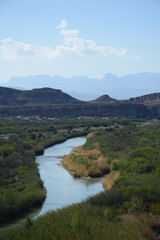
(62, 188)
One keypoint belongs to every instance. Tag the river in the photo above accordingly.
(62, 188)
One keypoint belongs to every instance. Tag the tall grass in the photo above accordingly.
(80, 221)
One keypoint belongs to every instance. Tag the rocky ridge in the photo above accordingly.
(55, 103)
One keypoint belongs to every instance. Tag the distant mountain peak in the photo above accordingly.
(110, 76)
(123, 87)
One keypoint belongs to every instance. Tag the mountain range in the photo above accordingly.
(85, 88)
(55, 103)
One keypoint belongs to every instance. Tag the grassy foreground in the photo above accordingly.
(81, 221)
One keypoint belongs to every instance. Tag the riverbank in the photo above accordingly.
(86, 162)
(91, 163)
(109, 180)
(62, 188)
(21, 140)
(21, 188)
(130, 209)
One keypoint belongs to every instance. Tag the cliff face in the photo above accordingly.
(55, 103)
(79, 110)
(148, 100)
(151, 101)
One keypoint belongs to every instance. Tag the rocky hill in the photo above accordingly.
(55, 103)
(105, 99)
(41, 96)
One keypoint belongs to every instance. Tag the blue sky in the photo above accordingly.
(79, 37)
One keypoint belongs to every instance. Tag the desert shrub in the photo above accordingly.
(108, 213)
(155, 208)
(6, 150)
(119, 179)
(135, 205)
(88, 146)
(115, 166)
(111, 156)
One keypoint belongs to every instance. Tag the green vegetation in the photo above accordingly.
(80, 221)
(20, 140)
(136, 192)
(129, 210)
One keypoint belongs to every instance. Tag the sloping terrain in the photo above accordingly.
(55, 103)
(41, 96)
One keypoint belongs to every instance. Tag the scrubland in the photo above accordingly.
(129, 208)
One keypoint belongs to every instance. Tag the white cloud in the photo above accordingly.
(72, 45)
(12, 50)
(63, 24)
